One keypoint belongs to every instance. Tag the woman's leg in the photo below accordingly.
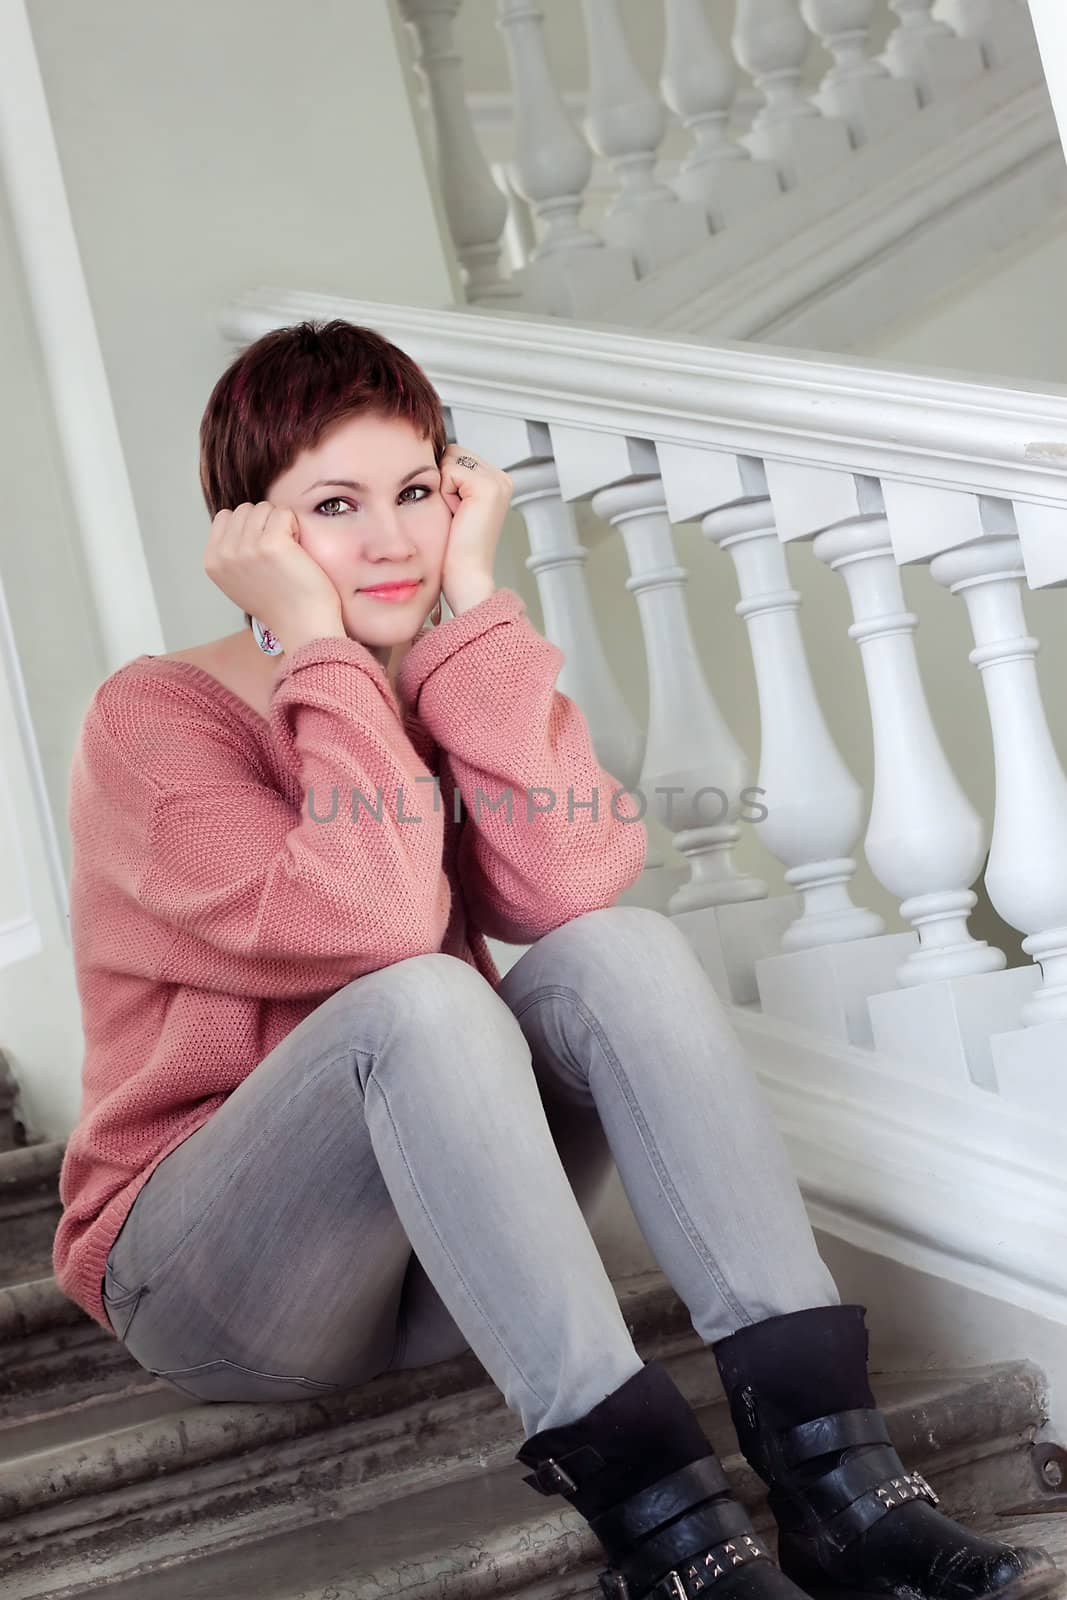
(618, 1011)
(269, 1254)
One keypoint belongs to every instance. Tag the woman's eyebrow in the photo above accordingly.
(350, 483)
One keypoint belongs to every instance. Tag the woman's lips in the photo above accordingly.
(395, 591)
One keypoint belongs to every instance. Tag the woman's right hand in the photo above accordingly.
(255, 557)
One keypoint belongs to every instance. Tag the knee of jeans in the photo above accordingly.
(639, 929)
(436, 995)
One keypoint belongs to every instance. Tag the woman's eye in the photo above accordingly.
(338, 500)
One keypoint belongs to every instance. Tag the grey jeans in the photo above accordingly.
(407, 1175)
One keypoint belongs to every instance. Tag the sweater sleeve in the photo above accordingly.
(569, 839)
(281, 896)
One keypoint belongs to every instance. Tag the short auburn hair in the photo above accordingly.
(281, 394)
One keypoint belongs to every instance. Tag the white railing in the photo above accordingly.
(741, 159)
(878, 469)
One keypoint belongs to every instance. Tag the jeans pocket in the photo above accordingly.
(120, 1302)
(226, 1380)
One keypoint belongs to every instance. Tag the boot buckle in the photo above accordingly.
(671, 1587)
(551, 1478)
(613, 1585)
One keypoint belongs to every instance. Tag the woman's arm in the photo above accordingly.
(483, 683)
(275, 895)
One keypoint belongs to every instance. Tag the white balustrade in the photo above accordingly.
(557, 560)
(570, 270)
(815, 807)
(625, 122)
(857, 88)
(699, 85)
(694, 767)
(926, 50)
(878, 468)
(1026, 876)
(475, 207)
(925, 841)
(1001, 28)
(771, 42)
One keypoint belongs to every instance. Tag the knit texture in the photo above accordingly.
(232, 871)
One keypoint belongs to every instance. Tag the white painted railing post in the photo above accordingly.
(625, 123)
(857, 88)
(570, 270)
(923, 48)
(693, 767)
(925, 840)
(699, 85)
(557, 560)
(476, 209)
(771, 42)
(815, 807)
(1002, 28)
(1026, 876)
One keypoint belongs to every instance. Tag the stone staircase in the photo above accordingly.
(110, 1481)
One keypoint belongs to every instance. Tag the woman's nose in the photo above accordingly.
(388, 539)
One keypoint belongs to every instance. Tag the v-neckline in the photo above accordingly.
(237, 703)
(228, 696)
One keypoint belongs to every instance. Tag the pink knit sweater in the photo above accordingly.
(214, 904)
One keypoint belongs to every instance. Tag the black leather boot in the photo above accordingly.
(640, 1470)
(852, 1520)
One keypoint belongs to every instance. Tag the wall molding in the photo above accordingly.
(30, 169)
(958, 1184)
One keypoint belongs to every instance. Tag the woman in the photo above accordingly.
(321, 1138)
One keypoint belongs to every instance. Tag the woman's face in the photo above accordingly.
(370, 510)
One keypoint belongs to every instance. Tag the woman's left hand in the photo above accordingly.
(478, 495)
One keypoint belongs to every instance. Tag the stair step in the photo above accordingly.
(53, 1357)
(29, 1209)
(66, 1468)
(419, 1492)
(1047, 1530)
(11, 1130)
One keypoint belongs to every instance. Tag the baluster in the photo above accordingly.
(771, 42)
(857, 88)
(1027, 872)
(625, 123)
(1002, 29)
(815, 807)
(475, 207)
(924, 49)
(571, 272)
(699, 86)
(557, 560)
(924, 842)
(1026, 876)
(693, 766)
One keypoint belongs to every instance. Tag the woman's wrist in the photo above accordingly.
(469, 593)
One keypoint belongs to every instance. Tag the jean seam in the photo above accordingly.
(452, 1262)
(242, 1163)
(685, 1222)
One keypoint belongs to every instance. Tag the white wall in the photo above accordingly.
(1008, 318)
(204, 149)
(208, 148)
(52, 628)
